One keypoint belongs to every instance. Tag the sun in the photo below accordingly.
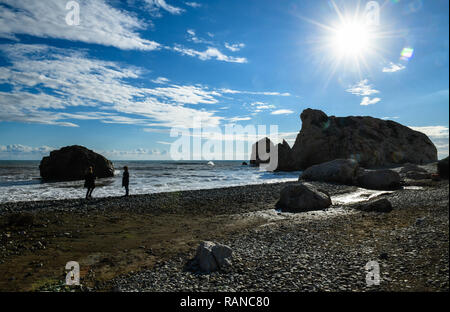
(351, 39)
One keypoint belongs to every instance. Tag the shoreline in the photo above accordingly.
(121, 243)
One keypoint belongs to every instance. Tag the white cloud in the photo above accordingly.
(156, 5)
(436, 132)
(19, 151)
(257, 107)
(194, 38)
(161, 80)
(282, 112)
(439, 135)
(387, 117)
(208, 54)
(234, 119)
(392, 68)
(362, 88)
(65, 79)
(99, 23)
(234, 47)
(368, 101)
(193, 4)
(230, 91)
(185, 94)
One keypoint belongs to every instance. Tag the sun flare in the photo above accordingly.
(351, 41)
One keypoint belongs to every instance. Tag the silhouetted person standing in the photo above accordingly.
(126, 179)
(89, 182)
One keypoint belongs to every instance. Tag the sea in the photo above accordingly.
(20, 180)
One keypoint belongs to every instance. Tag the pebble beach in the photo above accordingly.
(144, 242)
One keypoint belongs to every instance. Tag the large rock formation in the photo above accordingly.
(372, 142)
(72, 162)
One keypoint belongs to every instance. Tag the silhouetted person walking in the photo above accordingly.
(89, 182)
(126, 179)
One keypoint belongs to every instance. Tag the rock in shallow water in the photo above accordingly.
(72, 162)
(302, 197)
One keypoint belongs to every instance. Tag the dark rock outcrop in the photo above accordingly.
(301, 197)
(336, 171)
(284, 161)
(261, 151)
(443, 168)
(71, 163)
(371, 141)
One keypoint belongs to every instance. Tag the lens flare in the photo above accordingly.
(406, 54)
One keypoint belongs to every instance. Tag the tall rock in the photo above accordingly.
(261, 152)
(285, 161)
(371, 141)
(72, 162)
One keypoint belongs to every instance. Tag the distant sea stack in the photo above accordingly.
(372, 142)
(71, 163)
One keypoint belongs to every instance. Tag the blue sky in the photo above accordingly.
(131, 70)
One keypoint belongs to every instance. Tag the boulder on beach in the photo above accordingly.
(383, 179)
(443, 168)
(371, 141)
(379, 205)
(71, 163)
(211, 256)
(336, 171)
(414, 172)
(302, 197)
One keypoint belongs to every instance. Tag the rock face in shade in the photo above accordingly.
(383, 179)
(279, 156)
(71, 163)
(285, 161)
(443, 168)
(414, 172)
(370, 141)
